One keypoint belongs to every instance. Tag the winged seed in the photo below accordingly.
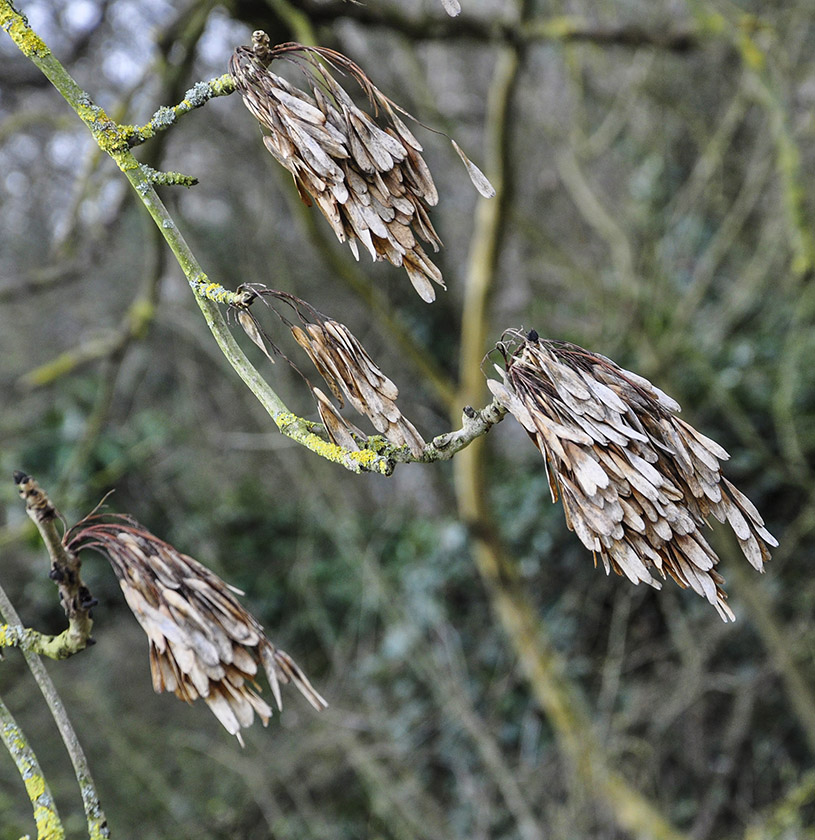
(369, 180)
(203, 643)
(637, 483)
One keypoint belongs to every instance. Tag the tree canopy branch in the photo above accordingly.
(559, 28)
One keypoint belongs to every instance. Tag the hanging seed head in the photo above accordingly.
(343, 363)
(203, 643)
(636, 482)
(350, 372)
(365, 173)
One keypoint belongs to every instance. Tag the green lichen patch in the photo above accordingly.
(27, 41)
(363, 460)
(48, 824)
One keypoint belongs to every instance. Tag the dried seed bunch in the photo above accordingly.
(637, 483)
(203, 643)
(345, 366)
(348, 369)
(369, 180)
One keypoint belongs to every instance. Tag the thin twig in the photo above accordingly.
(166, 116)
(74, 596)
(474, 424)
(97, 823)
(49, 825)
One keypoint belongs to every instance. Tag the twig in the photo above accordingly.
(54, 647)
(199, 94)
(77, 601)
(74, 596)
(474, 424)
(97, 823)
(49, 825)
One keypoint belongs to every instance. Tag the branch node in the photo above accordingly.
(167, 178)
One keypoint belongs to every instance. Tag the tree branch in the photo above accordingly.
(115, 140)
(74, 596)
(40, 509)
(474, 424)
(49, 825)
(199, 94)
(558, 29)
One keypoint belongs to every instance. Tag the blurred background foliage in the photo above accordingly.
(659, 210)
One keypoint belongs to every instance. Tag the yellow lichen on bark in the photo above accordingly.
(29, 43)
(362, 460)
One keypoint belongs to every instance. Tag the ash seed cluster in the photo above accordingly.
(637, 483)
(368, 179)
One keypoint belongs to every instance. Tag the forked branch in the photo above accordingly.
(117, 140)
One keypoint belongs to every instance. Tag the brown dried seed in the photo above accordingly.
(203, 643)
(350, 372)
(369, 180)
(625, 466)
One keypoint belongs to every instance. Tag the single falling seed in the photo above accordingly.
(636, 482)
(203, 643)
(368, 179)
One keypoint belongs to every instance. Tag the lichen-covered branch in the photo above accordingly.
(43, 513)
(474, 424)
(117, 140)
(166, 116)
(302, 431)
(97, 823)
(49, 825)
(54, 647)
(168, 179)
(74, 596)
